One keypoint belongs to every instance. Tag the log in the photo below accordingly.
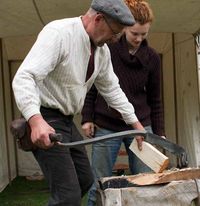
(144, 179)
(151, 156)
(165, 177)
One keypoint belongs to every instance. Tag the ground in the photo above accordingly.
(23, 192)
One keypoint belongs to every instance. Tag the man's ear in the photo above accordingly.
(99, 17)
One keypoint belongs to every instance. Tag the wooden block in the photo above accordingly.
(182, 192)
(152, 157)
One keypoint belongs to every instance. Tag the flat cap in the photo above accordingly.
(115, 9)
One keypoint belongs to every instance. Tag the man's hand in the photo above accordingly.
(139, 139)
(88, 129)
(40, 131)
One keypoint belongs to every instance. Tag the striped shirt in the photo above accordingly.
(53, 73)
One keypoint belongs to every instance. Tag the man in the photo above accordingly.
(51, 84)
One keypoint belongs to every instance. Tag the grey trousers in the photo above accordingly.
(67, 170)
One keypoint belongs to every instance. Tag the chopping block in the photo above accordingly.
(179, 187)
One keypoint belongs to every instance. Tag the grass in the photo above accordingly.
(23, 192)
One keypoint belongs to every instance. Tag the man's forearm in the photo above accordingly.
(137, 125)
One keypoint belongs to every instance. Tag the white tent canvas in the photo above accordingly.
(172, 34)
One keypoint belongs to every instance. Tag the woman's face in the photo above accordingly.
(136, 34)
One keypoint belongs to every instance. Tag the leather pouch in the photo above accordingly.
(21, 131)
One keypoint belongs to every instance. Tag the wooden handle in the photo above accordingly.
(55, 137)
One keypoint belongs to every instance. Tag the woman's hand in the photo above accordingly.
(88, 129)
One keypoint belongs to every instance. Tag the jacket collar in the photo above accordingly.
(141, 57)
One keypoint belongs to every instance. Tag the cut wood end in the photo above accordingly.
(164, 165)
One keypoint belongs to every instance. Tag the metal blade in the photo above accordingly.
(149, 137)
(104, 138)
(164, 143)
